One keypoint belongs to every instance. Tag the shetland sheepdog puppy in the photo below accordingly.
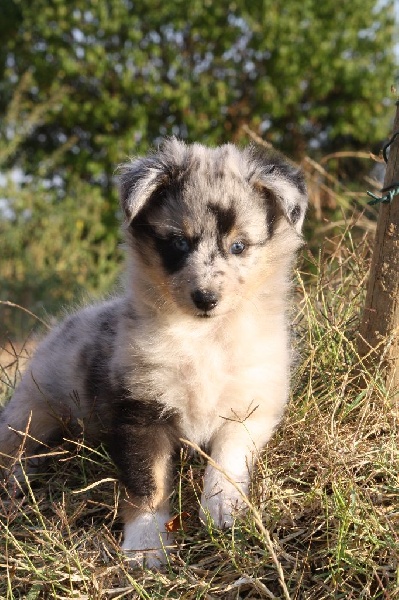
(198, 346)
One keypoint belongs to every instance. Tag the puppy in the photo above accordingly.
(197, 347)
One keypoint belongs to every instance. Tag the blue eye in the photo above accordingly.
(181, 244)
(237, 248)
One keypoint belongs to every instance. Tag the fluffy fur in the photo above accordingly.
(196, 348)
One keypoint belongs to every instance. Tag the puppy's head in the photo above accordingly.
(210, 229)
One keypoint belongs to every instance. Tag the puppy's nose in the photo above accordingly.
(205, 299)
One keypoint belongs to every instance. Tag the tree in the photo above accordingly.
(379, 331)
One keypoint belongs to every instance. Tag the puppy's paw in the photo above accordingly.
(221, 500)
(221, 507)
(146, 541)
(150, 559)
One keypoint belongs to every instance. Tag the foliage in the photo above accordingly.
(57, 245)
(85, 84)
(300, 73)
(54, 251)
(327, 489)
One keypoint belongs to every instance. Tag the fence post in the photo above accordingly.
(379, 330)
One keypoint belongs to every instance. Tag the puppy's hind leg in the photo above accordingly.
(142, 445)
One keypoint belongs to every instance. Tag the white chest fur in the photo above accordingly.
(217, 371)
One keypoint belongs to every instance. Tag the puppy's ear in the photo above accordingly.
(137, 181)
(280, 181)
(140, 178)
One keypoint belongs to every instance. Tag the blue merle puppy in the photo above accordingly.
(197, 347)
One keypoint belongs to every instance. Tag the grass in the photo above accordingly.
(324, 515)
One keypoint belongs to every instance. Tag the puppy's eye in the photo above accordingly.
(237, 248)
(181, 244)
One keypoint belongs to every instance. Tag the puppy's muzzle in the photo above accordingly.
(205, 300)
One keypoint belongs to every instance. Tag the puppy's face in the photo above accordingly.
(206, 230)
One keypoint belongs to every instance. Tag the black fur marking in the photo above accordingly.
(97, 369)
(172, 258)
(295, 214)
(141, 413)
(267, 170)
(167, 174)
(274, 162)
(272, 214)
(225, 221)
(225, 218)
(141, 434)
(108, 323)
(96, 358)
(273, 209)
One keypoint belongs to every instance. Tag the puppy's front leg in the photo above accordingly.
(234, 449)
(142, 445)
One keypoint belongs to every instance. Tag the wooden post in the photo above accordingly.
(379, 330)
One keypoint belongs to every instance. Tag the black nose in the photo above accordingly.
(205, 299)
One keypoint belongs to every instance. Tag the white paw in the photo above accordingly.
(221, 504)
(146, 541)
(151, 559)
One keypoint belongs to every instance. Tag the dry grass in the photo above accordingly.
(327, 489)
